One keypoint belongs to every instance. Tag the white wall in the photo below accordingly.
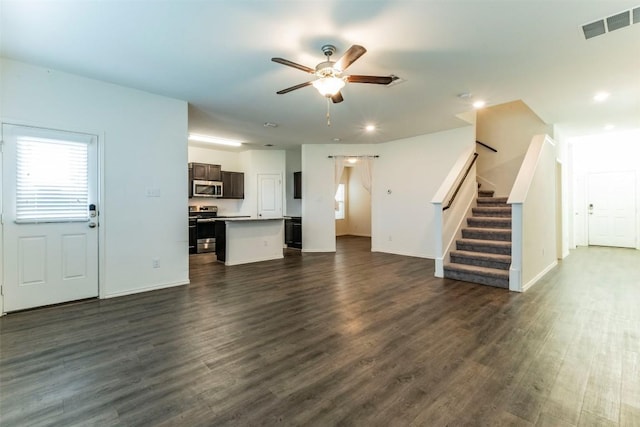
(538, 243)
(608, 152)
(411, 169)
(262, 162)
(358, 206)
(294, 164)
(251, 163)
(143, 143)
(342, 225)
(508, 128)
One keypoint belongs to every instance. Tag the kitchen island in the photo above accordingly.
(245, 240)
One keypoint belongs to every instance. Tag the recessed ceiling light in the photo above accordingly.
(214, 140)
(600, 96)
(370, 128)
(479, 104)
(336, 140)
(270, 125)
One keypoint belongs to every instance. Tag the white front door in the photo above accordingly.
(269, 195)
(611, 208)
(49, 216)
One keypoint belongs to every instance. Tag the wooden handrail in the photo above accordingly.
(455, 193)
(487, 146)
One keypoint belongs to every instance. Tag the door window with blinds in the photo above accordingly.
(52, 180)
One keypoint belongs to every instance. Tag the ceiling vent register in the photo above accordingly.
(611, 23)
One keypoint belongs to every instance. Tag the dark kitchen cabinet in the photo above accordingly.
(232, 185)
(221, 241)
(192, 236)
(293, 232)
(297, 185)
(205, 172)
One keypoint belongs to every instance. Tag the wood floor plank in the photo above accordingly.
(347, 338)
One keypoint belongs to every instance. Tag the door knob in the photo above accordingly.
(92, 225)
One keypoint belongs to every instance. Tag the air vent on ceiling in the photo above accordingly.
(618, 21)
(611, 23)
(594, 29)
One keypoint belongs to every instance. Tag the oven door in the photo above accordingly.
(206, 235)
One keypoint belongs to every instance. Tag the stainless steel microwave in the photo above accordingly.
(207, 188)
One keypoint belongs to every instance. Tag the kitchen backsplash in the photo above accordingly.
(225, 206)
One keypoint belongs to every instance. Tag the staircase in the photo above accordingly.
(483, 254)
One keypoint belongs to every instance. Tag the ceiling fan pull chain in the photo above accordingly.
(328, 112)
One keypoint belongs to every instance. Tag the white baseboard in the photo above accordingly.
(539, 276)
(145, 289)
(414, 255)
(250, 260)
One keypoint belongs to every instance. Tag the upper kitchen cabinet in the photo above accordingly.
(205, 172)
(297, 185)
(232, 185)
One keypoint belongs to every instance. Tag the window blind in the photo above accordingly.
(52, 182)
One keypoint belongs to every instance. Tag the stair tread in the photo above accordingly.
(488, 230)
(484, 242)
(492, 208)
(486, 255)
(483, 271)
(491, 218)
(496, 198)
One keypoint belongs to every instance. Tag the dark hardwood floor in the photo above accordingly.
(352, 338)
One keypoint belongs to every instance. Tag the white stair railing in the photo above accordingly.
(452, 205)
(533, 205)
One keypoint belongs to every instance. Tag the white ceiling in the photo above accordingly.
(216, 55)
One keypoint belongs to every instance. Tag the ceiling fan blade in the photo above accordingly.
(337, 98)
(349, 57)
(289, 89)
(294, 65)
(378, 80)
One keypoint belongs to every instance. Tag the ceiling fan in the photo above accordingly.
(329, 74)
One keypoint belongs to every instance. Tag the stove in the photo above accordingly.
(203, 218)
(200, 212)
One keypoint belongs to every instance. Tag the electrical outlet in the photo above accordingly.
(155, 263)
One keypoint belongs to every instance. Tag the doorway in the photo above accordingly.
(611, 203)
(269, 195)
(353, 205)
(50, 216)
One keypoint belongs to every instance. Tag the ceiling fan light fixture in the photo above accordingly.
(328, 86)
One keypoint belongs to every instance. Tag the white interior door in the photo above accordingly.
(611, 202)
(269, 195)
(50, 234)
